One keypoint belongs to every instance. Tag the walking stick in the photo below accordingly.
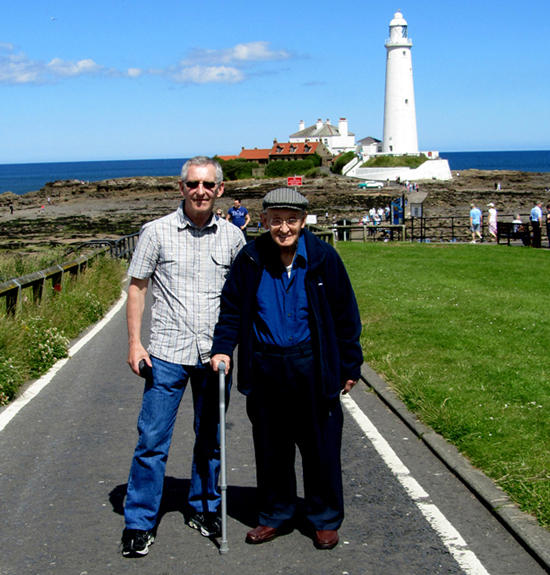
(223, 475)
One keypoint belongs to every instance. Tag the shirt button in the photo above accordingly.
(288, 315)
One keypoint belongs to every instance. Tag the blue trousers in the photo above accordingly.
(287, 409)
(161, 400)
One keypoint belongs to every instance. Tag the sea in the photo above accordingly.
(23, 178)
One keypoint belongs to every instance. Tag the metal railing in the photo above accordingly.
(12, 289)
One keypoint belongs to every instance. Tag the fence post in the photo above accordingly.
(13, 300)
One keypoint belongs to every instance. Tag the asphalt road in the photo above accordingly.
(65, 457)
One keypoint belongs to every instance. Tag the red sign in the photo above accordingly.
(294, 181)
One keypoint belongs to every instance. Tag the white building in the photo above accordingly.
(337, 140)
(400, 135)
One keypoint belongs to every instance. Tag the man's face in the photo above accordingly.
(284, 225)
(200, 199)
(236, 204)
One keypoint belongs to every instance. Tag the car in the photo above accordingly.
(370, 184)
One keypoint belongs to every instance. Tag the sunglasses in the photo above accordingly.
(194, 184)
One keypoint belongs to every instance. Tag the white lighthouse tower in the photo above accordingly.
(399, 111)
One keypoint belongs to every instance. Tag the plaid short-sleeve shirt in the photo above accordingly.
(188, 268)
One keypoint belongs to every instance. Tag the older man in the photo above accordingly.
(187, 255)
(289, 304)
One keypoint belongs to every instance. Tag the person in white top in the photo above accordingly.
(492, 221)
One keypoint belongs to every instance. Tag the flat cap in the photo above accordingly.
(285, 198)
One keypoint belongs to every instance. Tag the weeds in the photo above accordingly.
(39, 336)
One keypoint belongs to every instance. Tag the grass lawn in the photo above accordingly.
(462, 334)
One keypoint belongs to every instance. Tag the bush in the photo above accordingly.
(282, 169)
(46, 344)
(237, 169)
(341, 161)
(39, 336)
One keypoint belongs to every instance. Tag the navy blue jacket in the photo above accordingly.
(335, 324)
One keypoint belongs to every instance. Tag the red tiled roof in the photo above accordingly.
(225, 158)
(255, 154)
(297, 148)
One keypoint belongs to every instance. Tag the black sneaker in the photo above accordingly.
(135, 542)
(209, 524)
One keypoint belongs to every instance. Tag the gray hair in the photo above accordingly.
(202, 161)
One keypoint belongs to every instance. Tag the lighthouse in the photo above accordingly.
(399, 112)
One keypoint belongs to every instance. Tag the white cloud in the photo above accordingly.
(17, 68)
(207, 75)
(134, 72)
(251, 52)
(62, 68)
(202, 66)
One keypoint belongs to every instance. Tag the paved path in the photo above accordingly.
(64, 461)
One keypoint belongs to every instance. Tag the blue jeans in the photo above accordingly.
(161, 400)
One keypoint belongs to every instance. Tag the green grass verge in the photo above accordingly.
(462, 334)
(395, 161)
(39, 336)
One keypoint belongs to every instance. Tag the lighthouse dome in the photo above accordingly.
(398, 20)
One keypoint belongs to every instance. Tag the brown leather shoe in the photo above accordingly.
(261, 534)
(327, 539)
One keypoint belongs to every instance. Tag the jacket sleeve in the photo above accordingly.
(226, 332)
(347, 320)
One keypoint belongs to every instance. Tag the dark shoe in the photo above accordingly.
(209, 524)
(261, 534)
(327, 539)
(135, 542)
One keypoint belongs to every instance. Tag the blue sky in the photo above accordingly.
(136, 79)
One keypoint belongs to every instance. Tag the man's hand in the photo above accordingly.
(135, 355)
(217, 359)
(348, 385)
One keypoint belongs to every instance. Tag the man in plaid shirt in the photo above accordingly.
(187, 256)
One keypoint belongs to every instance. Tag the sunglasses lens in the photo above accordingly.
(193, 184)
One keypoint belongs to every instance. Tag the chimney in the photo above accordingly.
(302, 125)
(243, 148)
(319, 124)
(327, 122)
(343, 127)
(274, 140)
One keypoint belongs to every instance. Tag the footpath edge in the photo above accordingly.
(521, 525)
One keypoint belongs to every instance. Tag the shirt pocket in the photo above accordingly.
(221, 263)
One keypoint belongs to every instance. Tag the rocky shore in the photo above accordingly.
(79, 211)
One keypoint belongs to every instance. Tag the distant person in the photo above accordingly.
(238, 215)
(492, 221)
(536, 222)
(220, 214)
(518, 224)
(476, 218)
(11, 209)
(548, 224)
(186, 255)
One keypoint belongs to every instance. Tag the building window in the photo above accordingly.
(279, 149)
(292, 149)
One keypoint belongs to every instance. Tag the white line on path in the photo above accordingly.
(448, 534)
(35, 388)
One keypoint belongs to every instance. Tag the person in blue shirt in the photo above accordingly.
(476, 218)
(289, 305)
(536, 222)
(239, 216)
